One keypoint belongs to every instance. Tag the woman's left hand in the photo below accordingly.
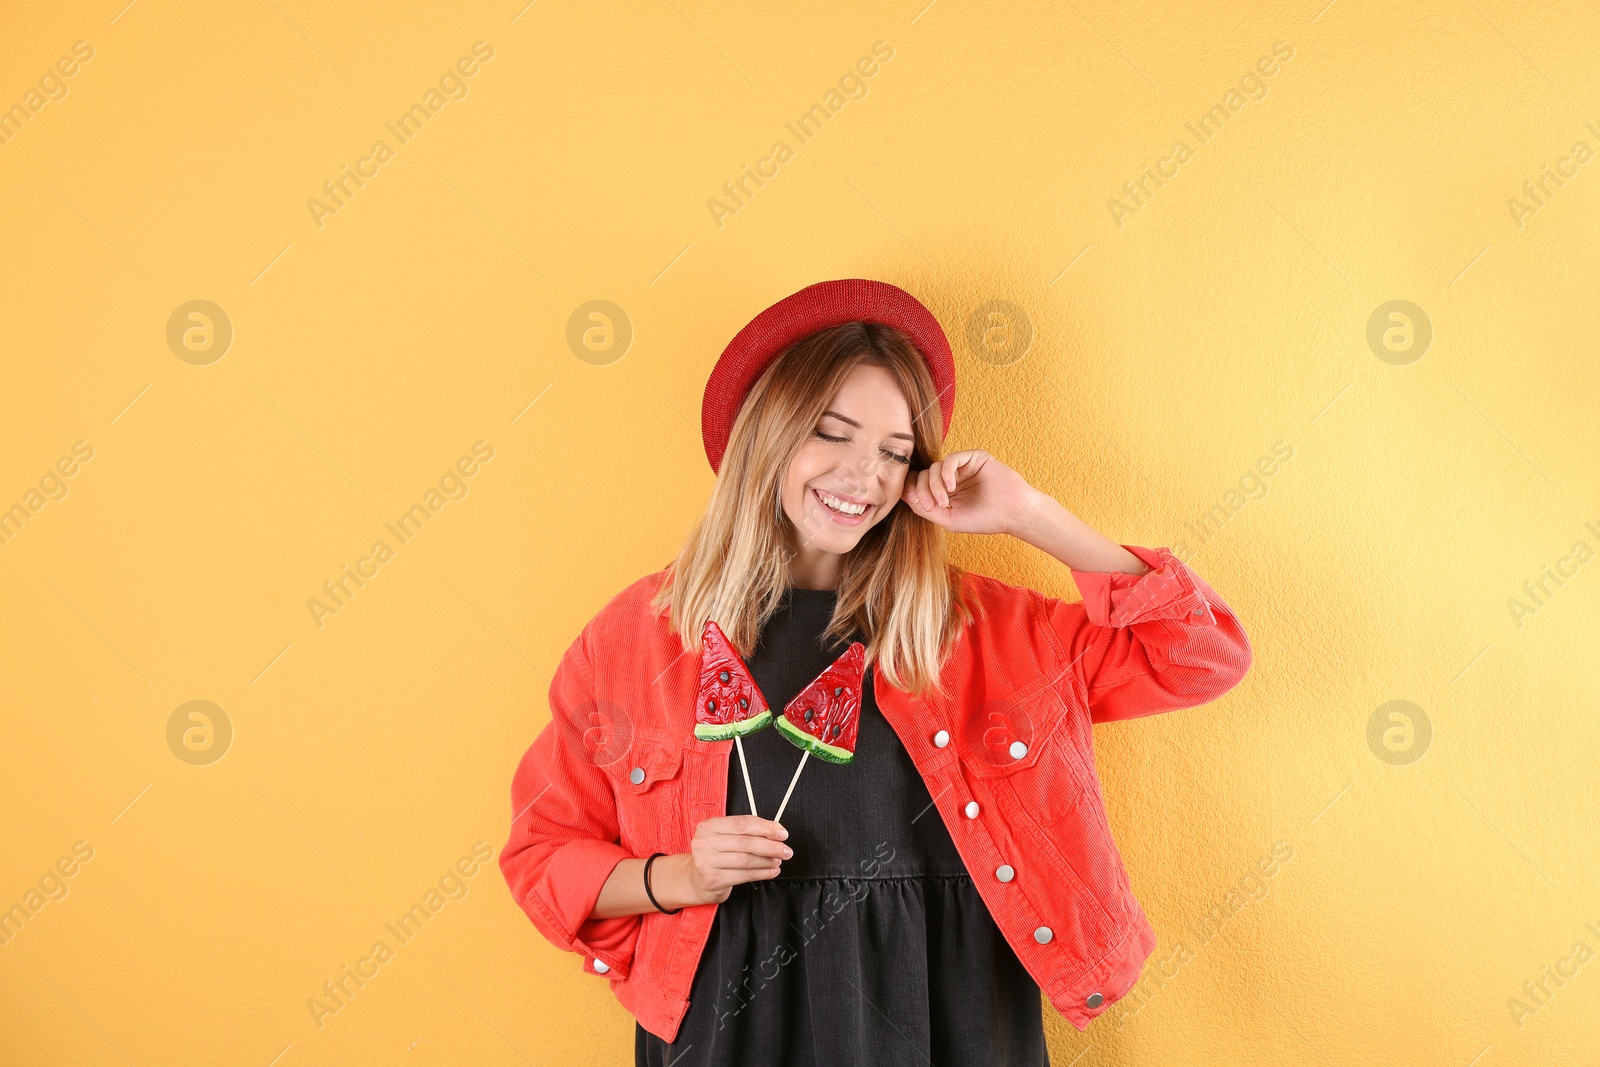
(970, 492)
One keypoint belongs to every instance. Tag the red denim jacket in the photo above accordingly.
(1008, 758)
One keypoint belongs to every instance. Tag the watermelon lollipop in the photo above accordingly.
(824, 718)
(728, 702)
(826, 715)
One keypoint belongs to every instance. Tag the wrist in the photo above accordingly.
(1030, 519)
(1047, 525)
(670, 882)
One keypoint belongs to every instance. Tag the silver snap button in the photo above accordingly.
(1018, 750)
(636, 775)
(972, 809)
(1199, 611)
(1095, 1000)
(601, 966)
(1043, 935)
(941, 739)
(1004, 872)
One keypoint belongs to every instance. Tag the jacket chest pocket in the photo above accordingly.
(1028, 756)
(649, 793)
(1031, 749)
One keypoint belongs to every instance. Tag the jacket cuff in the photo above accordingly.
(566, 896)
(1166, 591)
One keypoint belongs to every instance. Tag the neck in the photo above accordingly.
(813, 568)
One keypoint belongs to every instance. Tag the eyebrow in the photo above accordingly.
(852, 422)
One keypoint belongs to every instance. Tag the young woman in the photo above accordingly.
(917, 899)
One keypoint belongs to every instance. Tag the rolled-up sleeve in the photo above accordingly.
(564, 840)
(1148, 643)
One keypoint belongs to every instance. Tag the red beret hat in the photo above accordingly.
(814, 308)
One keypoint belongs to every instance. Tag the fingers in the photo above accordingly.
(922, 498)
(746, 824)
(737, 844)
(932, 485)
(912, 494)
(970, 459)
(940, 480)
(739, 848)
(743, 834)
(952, 465)
(751, 826)
(737, 861)
(717, 881)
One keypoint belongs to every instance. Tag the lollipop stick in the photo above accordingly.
(802, 766)
(749, 793)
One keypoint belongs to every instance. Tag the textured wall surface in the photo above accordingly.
(1305, 291)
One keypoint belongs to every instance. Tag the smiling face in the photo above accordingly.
(848, 475)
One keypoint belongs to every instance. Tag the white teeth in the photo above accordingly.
(842, 506)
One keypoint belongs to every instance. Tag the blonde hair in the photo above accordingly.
(896, 587)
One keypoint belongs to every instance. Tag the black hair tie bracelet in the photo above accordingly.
(651, 895)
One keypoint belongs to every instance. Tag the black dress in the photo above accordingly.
(872, 946)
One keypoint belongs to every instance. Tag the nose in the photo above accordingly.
(860, 470)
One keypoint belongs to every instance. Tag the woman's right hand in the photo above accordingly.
(724, 852)
(731, 849)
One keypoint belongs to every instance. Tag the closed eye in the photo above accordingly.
(890, 453)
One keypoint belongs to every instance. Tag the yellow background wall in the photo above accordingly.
(1440, 860)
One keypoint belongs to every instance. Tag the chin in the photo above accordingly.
(836, 546)
(821, 533)
(837, 541)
